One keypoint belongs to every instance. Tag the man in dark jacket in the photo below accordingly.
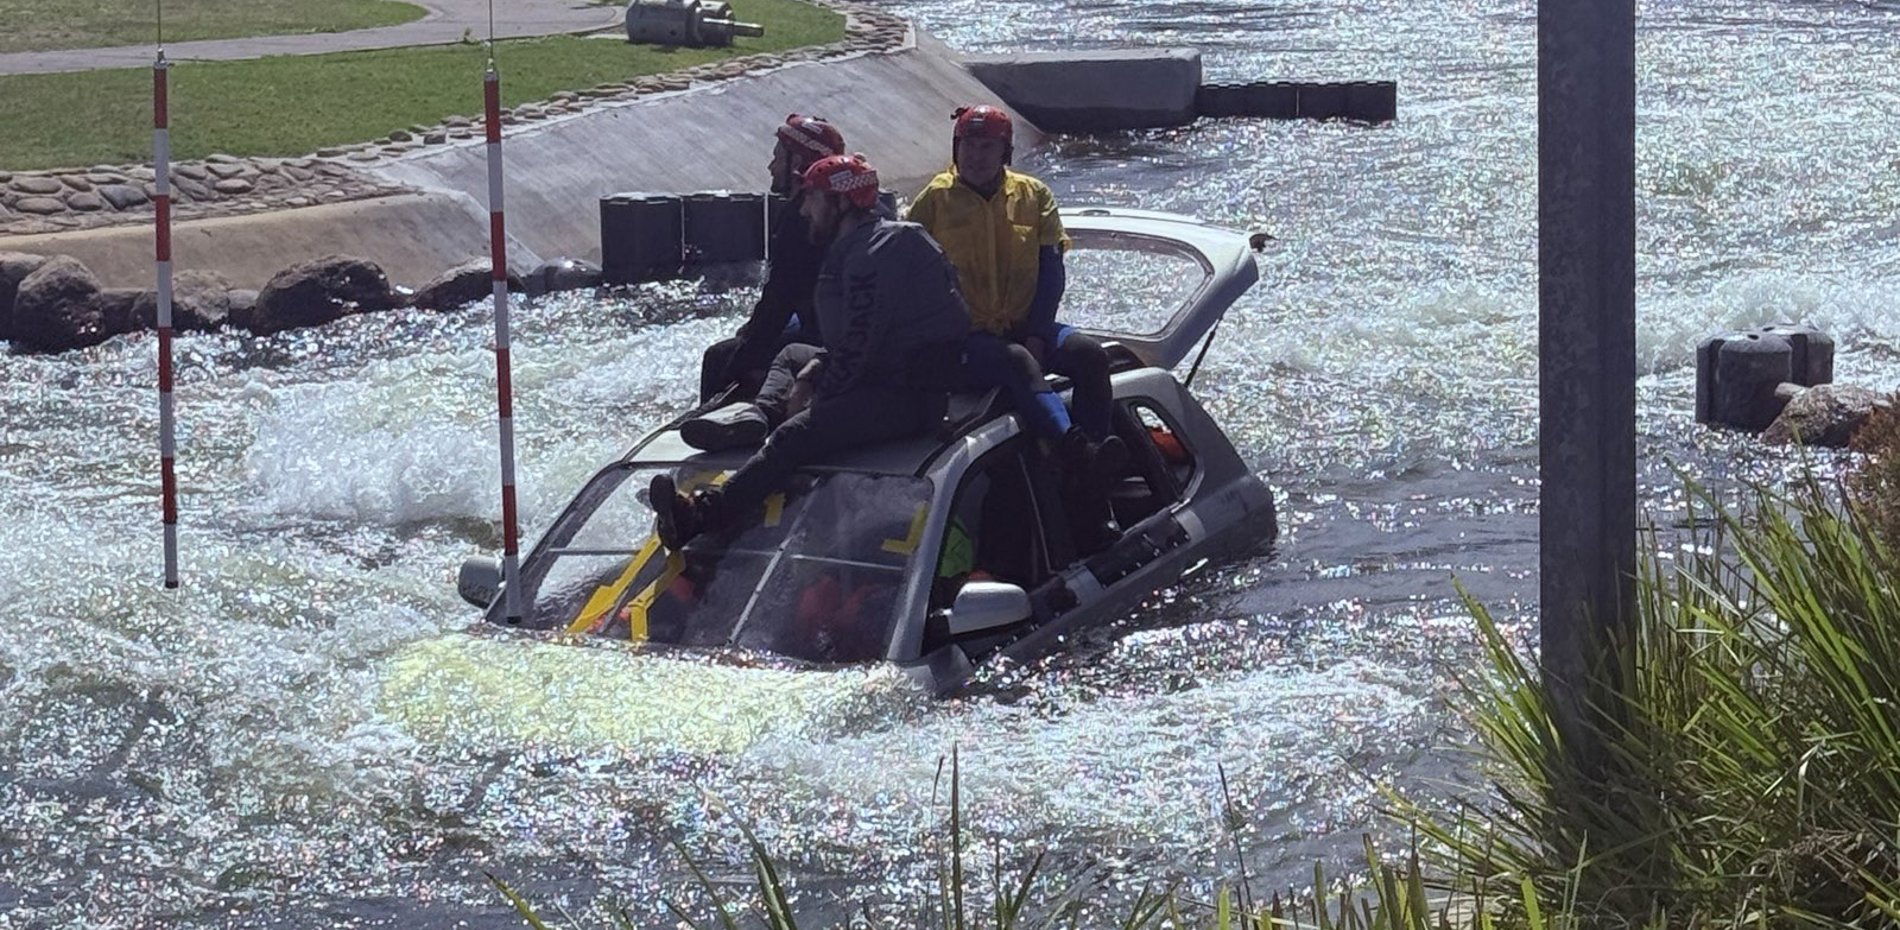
(894, 324)
(783, 314)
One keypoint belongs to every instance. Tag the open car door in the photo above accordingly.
(1155, 282)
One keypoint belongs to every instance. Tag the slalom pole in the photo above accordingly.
(504, 386)
(162, 219)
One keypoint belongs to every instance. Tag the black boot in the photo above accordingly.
(677, 518)
(728, 427)
(1090, 471)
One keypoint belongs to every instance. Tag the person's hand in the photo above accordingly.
(799, 397)
(1036, 346)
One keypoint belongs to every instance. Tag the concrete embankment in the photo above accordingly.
(894, 106)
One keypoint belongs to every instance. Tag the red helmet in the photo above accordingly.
(982, 121)
(849, 175)
(811, 136)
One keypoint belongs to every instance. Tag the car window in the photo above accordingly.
(1162, 463)
(815, 574)
(995, 532)
(1128, 284)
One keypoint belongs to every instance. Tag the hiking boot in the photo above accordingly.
(728, 427)
(676, 517)
(1093, 466)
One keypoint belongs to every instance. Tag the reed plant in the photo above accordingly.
(1744, 760)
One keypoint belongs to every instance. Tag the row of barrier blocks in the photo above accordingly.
(1364, 101)
(1738, 375)
(653, 237)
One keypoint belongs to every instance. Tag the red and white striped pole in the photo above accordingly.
(504, 381)
(162, 209)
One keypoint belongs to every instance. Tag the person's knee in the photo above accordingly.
(1083, 357)
(1021, 363)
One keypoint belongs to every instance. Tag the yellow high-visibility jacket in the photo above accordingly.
(994, 243)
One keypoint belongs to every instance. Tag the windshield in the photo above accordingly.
(816, 574)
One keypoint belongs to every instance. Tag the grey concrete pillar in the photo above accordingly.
(1586, 256)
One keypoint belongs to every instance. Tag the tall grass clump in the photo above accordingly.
(1744, 760)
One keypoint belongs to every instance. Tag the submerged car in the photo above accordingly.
(943, 552)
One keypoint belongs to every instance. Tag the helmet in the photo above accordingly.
(811, 136)
(982, 121)
(849, 175)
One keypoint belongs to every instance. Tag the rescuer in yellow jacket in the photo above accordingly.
(1003, 232)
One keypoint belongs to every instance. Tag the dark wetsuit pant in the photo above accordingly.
(734, 359)
(990, 361)
(865, 414)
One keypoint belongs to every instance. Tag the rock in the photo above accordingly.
(299, 174)
(243, 303)
(37, 185)
(401, 135)
(201, 301)
(116, 307)
(233, 186)
(14, 267)
(123, 197)
(319, 291)
(78, 183)
(221, 159)
(332, 151)
(463, 284)
(141, 173)
(228, 169)
(1824, 415)
(435, 138)
(567, 274)
(458, 122)
(98, 177)
(56, 309)
(85, 202)
(40, 206)
(189, 170)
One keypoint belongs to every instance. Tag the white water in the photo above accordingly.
(306, 734)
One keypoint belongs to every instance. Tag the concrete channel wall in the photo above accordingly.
(894, 107)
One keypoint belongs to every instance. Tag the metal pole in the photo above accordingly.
(1586, 255)
(162, 220)
(504, 379)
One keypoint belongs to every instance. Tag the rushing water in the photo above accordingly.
(308, 734)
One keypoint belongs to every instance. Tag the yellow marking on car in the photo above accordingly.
(775, 508)
(637, 609)
(593, 615)
(909, 543)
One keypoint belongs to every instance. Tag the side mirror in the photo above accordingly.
(479, 580)
(988, 605)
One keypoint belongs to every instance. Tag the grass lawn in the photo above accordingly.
(38, 25)
(294, 105)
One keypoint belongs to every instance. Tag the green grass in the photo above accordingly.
(294, 105)
(38, 25)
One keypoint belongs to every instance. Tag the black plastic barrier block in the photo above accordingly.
(724, 227)
(640, 237)
(1372, 101)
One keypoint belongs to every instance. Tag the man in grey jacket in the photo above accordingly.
(894, 325)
